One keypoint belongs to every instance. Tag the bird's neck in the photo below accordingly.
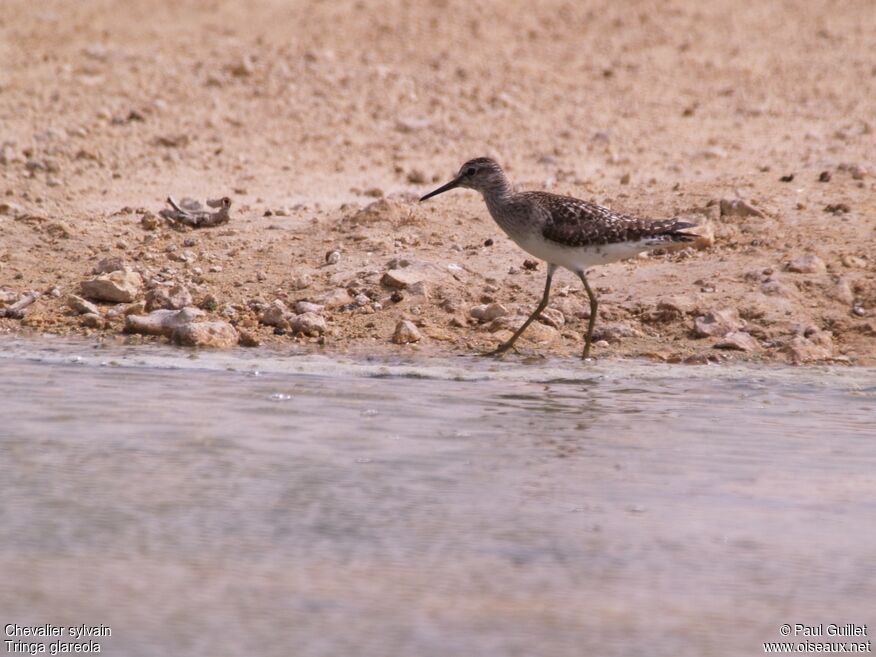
(498, 193)
(500, 200)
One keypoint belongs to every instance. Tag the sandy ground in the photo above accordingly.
(323, 122)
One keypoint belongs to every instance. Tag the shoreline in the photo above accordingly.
(285, 360)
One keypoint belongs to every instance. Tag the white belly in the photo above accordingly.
(579, 258)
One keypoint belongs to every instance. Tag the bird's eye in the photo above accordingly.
(471, 171)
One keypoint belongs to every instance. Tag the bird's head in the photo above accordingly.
(482, 174)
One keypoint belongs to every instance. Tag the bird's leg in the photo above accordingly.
(505, 346)
(594, 304)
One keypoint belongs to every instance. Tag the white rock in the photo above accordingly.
(213, 335)
(93, 320)
(335, 298)
(401, 279)
(116, 287)
(122, 309)
(228, 310)
(309, 324)
(738, 341)
(276, 315)
(807, 264)
(405, 333)
(717, 323)
(173, 298)
(488, 312)
(302, 307)
(161, 322)
(419, 289)
(298, 282)
(541, 333)
(738, 208)
(803, 350)
(81, 306)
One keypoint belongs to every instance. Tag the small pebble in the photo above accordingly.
(149, 221)
(837, 208)
(807, 264)
(405, 333)
(417, 177)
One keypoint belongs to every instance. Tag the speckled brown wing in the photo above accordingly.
(574, 222)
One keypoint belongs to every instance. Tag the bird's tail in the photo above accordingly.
(680, 231)
(665, 234)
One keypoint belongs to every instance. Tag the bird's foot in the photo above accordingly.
(499, 351)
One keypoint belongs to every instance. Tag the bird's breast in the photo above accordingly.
(516, 221)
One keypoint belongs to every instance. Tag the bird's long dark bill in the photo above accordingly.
(445, 188)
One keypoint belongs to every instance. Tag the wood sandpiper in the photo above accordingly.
(563, 231)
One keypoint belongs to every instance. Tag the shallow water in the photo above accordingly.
(296, 505)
